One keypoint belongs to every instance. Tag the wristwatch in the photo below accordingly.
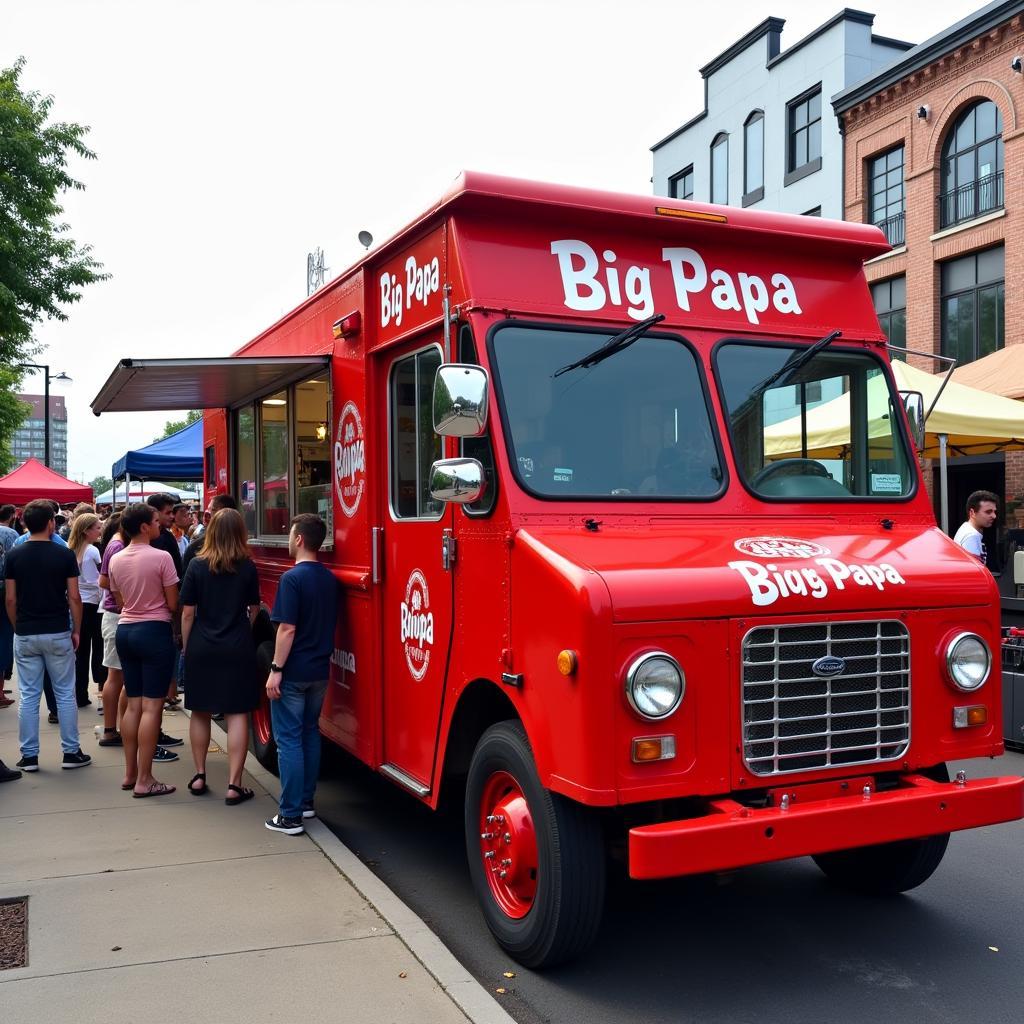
(274, 667)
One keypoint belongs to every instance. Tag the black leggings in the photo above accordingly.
(90, 652)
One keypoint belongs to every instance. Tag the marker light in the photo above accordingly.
(968, 661)
(567, 662)
(973, 714)
(654, 685)
(347, 326)
(669, 211)
(654, 748)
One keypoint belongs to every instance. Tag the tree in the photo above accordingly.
(173, 426)
(12, 412)
(100, 484)
(42, 268)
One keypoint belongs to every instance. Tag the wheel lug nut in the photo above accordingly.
(486, 835)
(489, 854)
(507, 862)
(502, 874)
(508, 837)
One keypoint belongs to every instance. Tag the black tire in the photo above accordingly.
(261, 729)
(888, 869)
(565, 913)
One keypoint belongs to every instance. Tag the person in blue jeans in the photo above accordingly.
(42, 599)
(305, 610)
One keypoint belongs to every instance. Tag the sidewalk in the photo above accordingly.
(185, 909)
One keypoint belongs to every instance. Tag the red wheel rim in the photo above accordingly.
(261, 721)
(508, 845)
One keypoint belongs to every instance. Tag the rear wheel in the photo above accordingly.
(261, 729)
(888, 868)
(536, 859)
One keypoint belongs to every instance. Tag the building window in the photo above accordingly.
(973, 301)
(972, 165)
(753, 158)
(680, 186)
(803, 135)
(720, 169)
(414, 445)
(885, 187)
(890, 299)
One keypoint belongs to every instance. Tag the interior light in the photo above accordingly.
(275, 401)
(321, 431)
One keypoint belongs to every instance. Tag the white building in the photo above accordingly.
(765, 136)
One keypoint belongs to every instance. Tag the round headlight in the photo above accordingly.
(654, 685)
(968, 660)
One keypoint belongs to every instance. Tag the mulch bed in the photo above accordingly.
(13, 934)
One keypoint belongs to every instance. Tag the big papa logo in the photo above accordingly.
(779, 547)
(768, 583)
(420, 283)
(349, 460)
(590, 282)
(417, 628)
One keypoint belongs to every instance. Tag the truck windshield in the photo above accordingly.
(825, 429)
(636, 427)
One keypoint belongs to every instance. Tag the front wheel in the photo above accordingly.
(536, 859)
(261, 729)
(888, 868)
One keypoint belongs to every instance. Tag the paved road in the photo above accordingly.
(773, 943)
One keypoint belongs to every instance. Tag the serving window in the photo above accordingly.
(282, 449)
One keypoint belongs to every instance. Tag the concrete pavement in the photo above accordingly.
(181, 907)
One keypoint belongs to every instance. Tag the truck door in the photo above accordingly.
(417, 585)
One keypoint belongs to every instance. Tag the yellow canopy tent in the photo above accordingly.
(999, 373)
(964, 420)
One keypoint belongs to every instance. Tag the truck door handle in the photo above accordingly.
(375, 537)
(448, 550)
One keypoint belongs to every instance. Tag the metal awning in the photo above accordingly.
(151, 384)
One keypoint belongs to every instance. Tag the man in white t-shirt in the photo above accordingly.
(982, 508)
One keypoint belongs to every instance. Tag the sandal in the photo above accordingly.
(128, 785)
(198, 777)
(243, 795)
(111, 738)
(156, 789)
(172, 704)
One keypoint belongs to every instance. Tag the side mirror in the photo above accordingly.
(460, 400)
(460, 481)
(913, 403)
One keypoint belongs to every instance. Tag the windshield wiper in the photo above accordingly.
(614, 344)
(795, 362)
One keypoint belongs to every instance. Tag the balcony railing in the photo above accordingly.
(894, 229)
(974, 199)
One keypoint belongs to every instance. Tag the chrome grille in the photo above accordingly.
(795, 721)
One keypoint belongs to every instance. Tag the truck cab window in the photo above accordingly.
(479, 448)
(313, 448)
(414, 445)
(634, 427)
(827, 430)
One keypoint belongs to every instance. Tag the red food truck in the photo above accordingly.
(633, 541)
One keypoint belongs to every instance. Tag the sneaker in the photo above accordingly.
(8, 774)
(289, 826)
(169, 741)
(76, 760)
(52, 718)
(110, 739)
(28, 764)
(99, 709)
(308, 811)
(163, 756)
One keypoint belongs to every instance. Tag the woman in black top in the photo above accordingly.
(219, 599)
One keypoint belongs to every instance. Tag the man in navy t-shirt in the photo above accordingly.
(305, 610)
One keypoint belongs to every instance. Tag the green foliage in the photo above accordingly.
(42, 269)
(12, 413)
(173, 426)
(100, 484)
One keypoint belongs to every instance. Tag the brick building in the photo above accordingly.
(934, 154)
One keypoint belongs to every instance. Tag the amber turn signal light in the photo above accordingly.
(567, 662)
(347, 326)
(671, 211)
(973, 714)
(653, 748)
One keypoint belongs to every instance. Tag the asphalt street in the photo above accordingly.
(771, 943)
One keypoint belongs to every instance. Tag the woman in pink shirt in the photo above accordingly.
(144, 584)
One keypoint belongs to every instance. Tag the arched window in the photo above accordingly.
(753, 158)
(972, 165)
(720, 169)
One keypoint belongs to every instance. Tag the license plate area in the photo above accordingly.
(828, 790)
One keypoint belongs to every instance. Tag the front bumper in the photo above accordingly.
(732, 835)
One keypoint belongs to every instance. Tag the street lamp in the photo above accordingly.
(46, 401)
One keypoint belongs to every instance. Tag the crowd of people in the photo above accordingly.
(147, 603)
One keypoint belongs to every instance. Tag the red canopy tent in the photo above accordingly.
(34, 480)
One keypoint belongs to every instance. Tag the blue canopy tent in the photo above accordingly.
(178, 457)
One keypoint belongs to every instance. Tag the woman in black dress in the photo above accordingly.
(219, 599)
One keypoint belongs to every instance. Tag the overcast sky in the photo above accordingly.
(234, 138)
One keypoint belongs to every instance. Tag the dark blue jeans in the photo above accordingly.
(295, 718)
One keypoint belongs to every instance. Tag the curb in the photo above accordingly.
(459, 985)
